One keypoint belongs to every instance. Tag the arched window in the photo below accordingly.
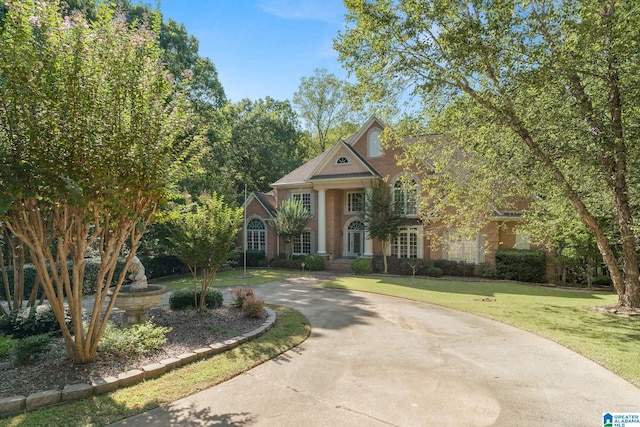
(374, 145)
(256, 235)
(405, 195)
(342, 161)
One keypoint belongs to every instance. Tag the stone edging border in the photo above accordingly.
(71, 392)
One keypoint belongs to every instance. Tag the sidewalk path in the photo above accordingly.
(373, 360)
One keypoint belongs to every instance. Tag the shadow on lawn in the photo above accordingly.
(483, 288)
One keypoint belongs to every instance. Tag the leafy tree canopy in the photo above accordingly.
(537, 99)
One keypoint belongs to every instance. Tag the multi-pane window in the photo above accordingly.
(302, 245)
(406, 244)
(355, 202)
(462, 249)
(342, 161)
(256, 235)
(305, 198)
(405, 194)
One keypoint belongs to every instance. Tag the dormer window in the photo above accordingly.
(374, 145)
(342, 161)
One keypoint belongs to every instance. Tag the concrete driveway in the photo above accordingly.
(373, 360)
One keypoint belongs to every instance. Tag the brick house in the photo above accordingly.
(332, 186)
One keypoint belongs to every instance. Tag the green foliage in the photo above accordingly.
(239, 295)
(313, 263)
(532, 105)
(455, 268)
(162, 265)
(521, 265)
(433, 272)
(381, 215)
(254, 259)
(322, 102)
(204, 238)
(183, 299)
(31, 347)
(137, 339)
(290, 221)
(253, 307)
(361, 266)
(6, 344)
(604, 281)
(29, 281)
(28, 321)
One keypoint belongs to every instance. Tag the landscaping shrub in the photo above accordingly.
(29, 281)
(91, 274)
(253, 307)
(403, 266)
(136, 339)
(455, 268)
(31, 347)
(183, 299)
(162, 265)
(602, 281)
(29, 321)
(361, 266)
(7, 344)
(486, 270)
(254, 258)
(433, 272)
(314, 263)
(521, 265)
(238, 296)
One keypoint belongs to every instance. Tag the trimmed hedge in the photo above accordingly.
(361, 266)
(290, 264)
(183, 299)
(313, 263)
(162, 265)
(254, 259)
(521, 265)
(455, 268)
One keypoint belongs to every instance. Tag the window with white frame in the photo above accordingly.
(256, 235)
(374, 145)
(523, 241)
(465, 249)
(305, 198)
(355, 202)
(406, 244)
(302, 244)
(405, 195)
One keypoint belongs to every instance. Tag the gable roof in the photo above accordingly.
(313, 168)
(266, 200)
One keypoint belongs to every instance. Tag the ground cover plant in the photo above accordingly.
(564, 316)
(231, 278)
(291, 328)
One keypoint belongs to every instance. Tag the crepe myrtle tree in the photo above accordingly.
(90, 140)
(203, 238)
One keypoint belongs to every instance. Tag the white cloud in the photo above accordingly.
(331, 11)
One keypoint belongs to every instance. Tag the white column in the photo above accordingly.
(322, 223)
(368, 247)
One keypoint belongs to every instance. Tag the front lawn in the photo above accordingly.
(564, 316)
(231, 278)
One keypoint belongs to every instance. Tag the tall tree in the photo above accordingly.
(545, 92)
(291, 219)
(90, 138)
(204, 239)
(381, 215)
(323, 104)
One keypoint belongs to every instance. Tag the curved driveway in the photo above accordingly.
(373, 360)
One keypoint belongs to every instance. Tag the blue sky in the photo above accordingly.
(263, 47)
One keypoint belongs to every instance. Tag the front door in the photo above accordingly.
(355, 239)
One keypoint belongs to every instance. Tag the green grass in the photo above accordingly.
(564, 316)
(232, 278)
(291, 328)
